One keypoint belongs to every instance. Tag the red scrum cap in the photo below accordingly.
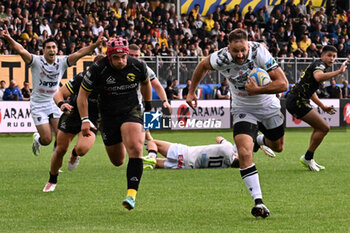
(117, 45)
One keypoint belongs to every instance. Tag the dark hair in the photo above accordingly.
(49, 40)
(238, 34)
(330, 48)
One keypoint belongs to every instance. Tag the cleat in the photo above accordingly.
(129, 203)
(49, 187)
(260, 210)
(149, 160)
(36, 145)
(148, 167)
(311, 164)
(267, 151)
(73, 161)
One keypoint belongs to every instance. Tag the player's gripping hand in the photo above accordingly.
(329, 109)
(251, 86)
(66, 108)
(167, 105)
(191, 100)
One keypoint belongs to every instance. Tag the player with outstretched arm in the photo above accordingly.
(47, 71)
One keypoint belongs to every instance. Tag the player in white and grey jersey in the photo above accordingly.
(47, 71)
(254, 107)
(180, 156)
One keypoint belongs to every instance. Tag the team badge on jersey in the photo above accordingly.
(130, 77)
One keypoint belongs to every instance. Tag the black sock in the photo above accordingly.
(150, 151)
(258, 201)
(53, 178)
(134, 173)
(309, 155)
(256, 146)
(74, 153)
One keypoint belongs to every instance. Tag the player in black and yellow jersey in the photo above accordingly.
(298, 101)
(116, 79)
(69, 126)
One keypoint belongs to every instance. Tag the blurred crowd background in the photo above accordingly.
(288, 29)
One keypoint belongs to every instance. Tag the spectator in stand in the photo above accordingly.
(305, 43)
(325, 40)
(12, 92)
(322, 91)
(273, 46)
(271, 27)
(342, 52)
(26, 92)
(185, 90)
(45, 26)
(345, 90)
(334, 91)
(223, 91)
(209, 23)
(169, 90)
(250, 17)
(312, 51)
(195, 11)
(236, 13)
(2, 88)
(28, 35)
(293, 47)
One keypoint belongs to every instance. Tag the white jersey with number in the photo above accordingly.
(46, 77)
(237, 75)
(180, 156)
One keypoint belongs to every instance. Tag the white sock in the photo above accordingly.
(36, 138)
(152, 155)
(260, 139)
(251, 179)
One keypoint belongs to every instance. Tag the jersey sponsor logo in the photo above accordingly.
(131, 77)
(151, 120)
(110, 80)
(49, 84)
(122, 88)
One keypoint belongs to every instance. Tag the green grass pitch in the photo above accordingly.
(203, 200)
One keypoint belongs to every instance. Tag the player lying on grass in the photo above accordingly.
(179, 156)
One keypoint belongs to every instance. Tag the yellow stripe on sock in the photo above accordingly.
(132, 192)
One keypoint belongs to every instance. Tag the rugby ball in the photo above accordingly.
(260, 76)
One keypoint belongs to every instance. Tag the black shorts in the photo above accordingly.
(250, 129)
(71, 123)
(298, 106)
(110, 125)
